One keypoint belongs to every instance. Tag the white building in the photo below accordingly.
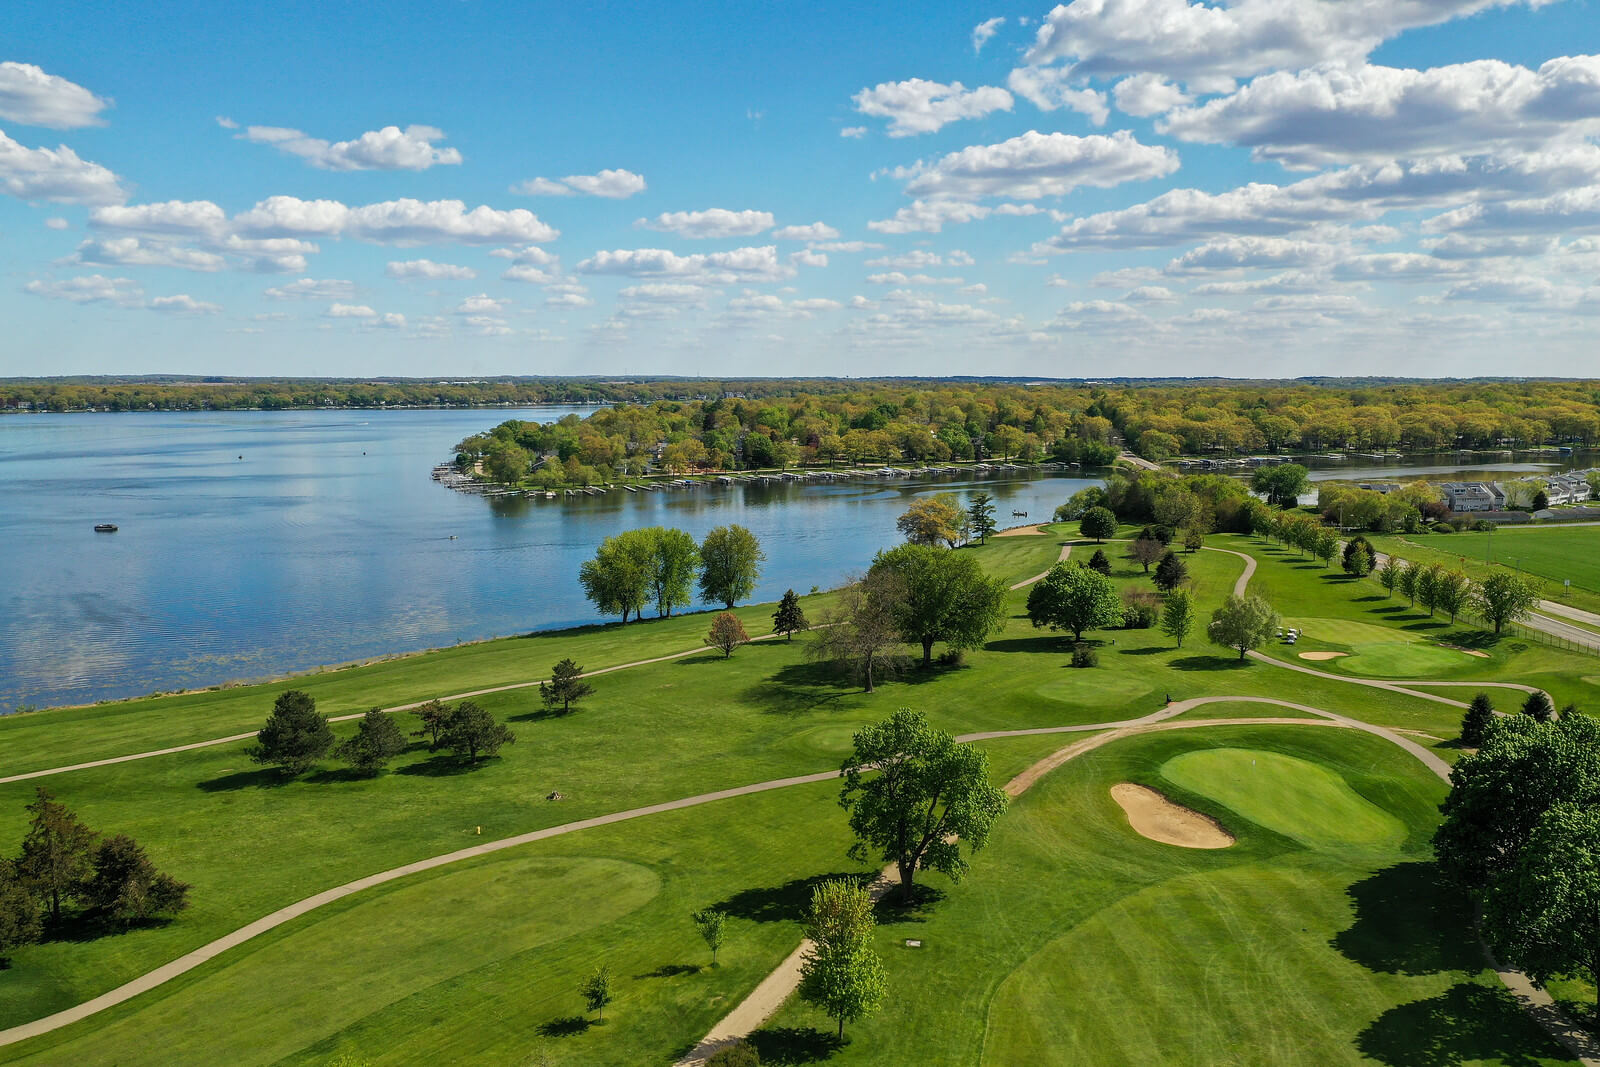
(1473, 496)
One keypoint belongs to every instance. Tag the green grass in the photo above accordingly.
(1552, 553)
(249, 844)
(1287, 795)
(1077, 941)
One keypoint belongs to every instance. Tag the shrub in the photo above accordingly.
(740, 1055)
(1157, 532)
(1483, 526)
(1084, 656)
(952, 657)
(1442, 527)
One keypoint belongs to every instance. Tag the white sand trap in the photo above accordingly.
(1468, 651)
(1322, 655)
(1021, 531)
(1154, 816)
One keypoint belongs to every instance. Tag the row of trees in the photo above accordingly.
(64, 864)
(1501, 597)
(776, 423)
(296, 736)
(659, 565)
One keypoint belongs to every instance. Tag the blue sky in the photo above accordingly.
(1106, 187)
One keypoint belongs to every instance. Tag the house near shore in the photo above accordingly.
(1473, 496)
(1571, 487)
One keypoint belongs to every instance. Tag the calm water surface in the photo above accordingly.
(256, 543)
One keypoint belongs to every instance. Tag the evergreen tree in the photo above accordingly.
(980, 516)
(377, 740)
(789, 617)
(1538, 707)
(1099, 563)
(295, 736)
(434, 717)
(19, 912)
(474, 733)
(1171, 572)
(127, 887)
(56, 853)
(566, 686)
(1475, 723)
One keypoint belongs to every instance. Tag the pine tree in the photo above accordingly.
(789, 618)
(1475, 723)
(55, 854)
(566, 686)
(295, 736)
(980, 516)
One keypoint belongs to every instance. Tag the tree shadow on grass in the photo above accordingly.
(1051, 643)
(1465, 1023)
(81, 928)
(785, 1045)
(1409, 921)
(894, 909)
(441, 766)
(671, 970)
(1373, 599)
(1390, 610)
(801, 687)
(1474, 639)
(335, 775)
(1426, 624)
(1210, 663)
(780, 903)
(265, 778)
(571, 1026)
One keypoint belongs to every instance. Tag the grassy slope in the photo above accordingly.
(1268, 952)
(1553, 553)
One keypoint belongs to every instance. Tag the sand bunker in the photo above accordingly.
(1322, 655)
(1020, 531)
(1468, 651)
(1154, 816)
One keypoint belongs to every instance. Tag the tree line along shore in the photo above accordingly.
(923, 423)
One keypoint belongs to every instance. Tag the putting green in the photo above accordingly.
(835, 740)
(1394, 660)
(1293, 797)
(333, 971)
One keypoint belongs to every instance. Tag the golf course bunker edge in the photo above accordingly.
(1154, 816)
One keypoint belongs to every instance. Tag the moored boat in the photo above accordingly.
(105, 527)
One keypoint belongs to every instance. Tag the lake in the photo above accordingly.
(253, 544)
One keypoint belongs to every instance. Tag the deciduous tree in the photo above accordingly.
(565, 687)
(727, 633)
(674, 557)
(1098, 523)
(914, 796)
(712, 925)
(1542, 915)
(840, 971)
(933, 520)
(619, 578)
(596, 990)
(1146, 550)
(790, 618)
(295, 736)
(1389, 575)
(1505, 596)
(1242, 623)
(1499, 793)
(1074, 598)
(1281, 483)
(946, 597)
(730, 565)
(1177, 616)
(1452, 592)
(860, 632)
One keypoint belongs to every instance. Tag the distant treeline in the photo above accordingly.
(936, 421)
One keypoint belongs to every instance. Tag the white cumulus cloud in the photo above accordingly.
(816, 231)
(713, 222)
(921, 106)
(90, 289)
(429, 270)
(611, 184)
(56, 174)
(1034, 165)
(985, 30)
(1048, 88)
(183, 304)
(390, 148)
(33, 97)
